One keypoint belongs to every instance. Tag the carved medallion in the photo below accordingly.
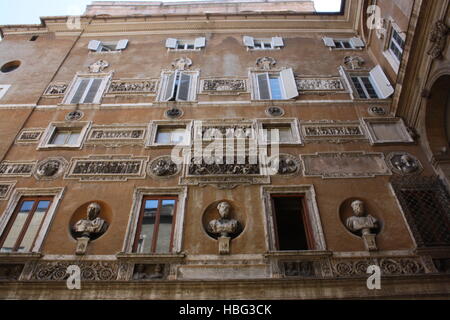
(377, 111)
(354, 62)
(275, 112)
(284, 165)
(50, 168)
(182, 63)
(74, 115)
(98, 66)
(266, 63)
(174, 113)
(17, 168)
(163, 167)
(403, 163)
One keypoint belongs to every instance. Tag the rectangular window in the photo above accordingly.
(396, 45)
(342, 44)
(171, 135)
(263, 44)
(291, 223)
(178, 86)
(284, 133)
(25, 224)
(65, 137)
(87, 90)
(276, 86)
(112, 46)
(154, 232)
(190, 44)
(364, 87)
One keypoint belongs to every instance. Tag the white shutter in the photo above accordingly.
(289, 84)
(329, 42)
(171, 43)
(385, 89)
(94, 45)
(357, 42)
(200, 42)
(263, 86)
(122, 44)
(170, 87)
(183, 87)
(248, 41)
(277, 42)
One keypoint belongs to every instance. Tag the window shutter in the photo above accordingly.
(248, 41)
(200, 42)
(122, 44)
(171, 43)
(277, 42)
(329, 42)
(82, 84)
(170, 88)
(381, 82)
(357, 42)
(263, 85)
(94, 45)
(289, 84)
(92, 92)
(183, 87)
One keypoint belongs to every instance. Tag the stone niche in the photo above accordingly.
(80, 214)
(387, 131)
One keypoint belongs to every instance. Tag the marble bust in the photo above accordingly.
(364, 223)
(224, 226)
(93, 225)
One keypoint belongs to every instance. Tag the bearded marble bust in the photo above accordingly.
(361, 221)
(224, 226)
(93, 226)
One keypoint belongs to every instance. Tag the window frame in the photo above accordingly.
(390, 56)
(154, 126)
(255, 80)
(164, 86)
(114, 43)
(186, 42)
(12, 206)
(293, 123)
(269, 40)
(77, 81)
(53, 128)
(350, 41)
(4, 89)
(156, 226)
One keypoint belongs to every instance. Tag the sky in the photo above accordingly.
(29, 11)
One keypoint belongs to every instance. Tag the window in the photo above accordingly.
(344, 44)
(292, 230)
(171, 135)
(178, 86)
(114, 46)
(286, 130)
(372, 85)
(364, 88)
(65, 137)
(396, 45)
(86, 90)
(284, 133)
(25, 224)
(263, 44)
(275, 86)
(180, 45)
(155, 225)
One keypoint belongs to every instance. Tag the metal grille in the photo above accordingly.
(426, 204)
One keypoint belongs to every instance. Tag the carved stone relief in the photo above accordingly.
(107, 168)
(213, 132)
(284, 165)
(173, 113)
(29, 136)
(223, 86)
(56, 89)
(10, 272)
(354, 62)
(345, 165)
(133, 86)
(438, 39)
(183, 63)
(17, 168)
(377, 111)
(114, 136)
(50, 168)
(150, 272)
(320, 84)
(332, 131)
(74, 115)
(275, 112)
(266, 63)
(6, 188)
(213, 166)
(98, 66)
(90, 270)
(163, 167)
(403, 163)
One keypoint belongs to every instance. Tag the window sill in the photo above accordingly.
(298, 254)
(185, 50)
(346, 49)
(18, 256)
(105, 52)
(151, 258)
(273, 49)
(52, 147)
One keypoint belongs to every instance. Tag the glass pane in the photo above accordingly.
(33, 227)
(359, 88)
(59, 138)
(284, 133)
(369, 87)
(73, 139)
(165, 226)
(338, 44)
(147, 227)
(17, 226)
(163, 136)
(257, 44)
(178, 135)
(347, 45)
(275, 88)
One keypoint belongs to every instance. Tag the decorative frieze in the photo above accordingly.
(17, 168)
(10, 272)
(117, 135)
(333, 131)
(345, 165)
(224, 86)
(27, 136)
(133, 86)
(107, 168)
(90, 270)
(209, 133)
(6, 188)
(163, 167)
(330, 84)
(56, 89)
(213, 166)
(150, 272)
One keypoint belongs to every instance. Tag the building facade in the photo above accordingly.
(226, 150)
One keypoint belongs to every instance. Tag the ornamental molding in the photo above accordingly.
(107, 168)
(133, 86)
(75, 115)
(387, 131)
(163, 168)
(320, 84)
(6, 188)
(182, 63)
(332, 131)
(211, 130)
(285, 165)
(56, 89)
(438, 40)
(403, 163)
(345, 165)
(117, 135)
(30, 136)
(17, 168)
(99, 66)
(266, 63)
(50, 168)
(223, 86)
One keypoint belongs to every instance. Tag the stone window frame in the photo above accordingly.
(121, 44)
(273, 47)
(367, 123)
(156, 124)
(310, 202)
(254, 86)
(350, 40)
(388, 54)
(4, 89)
(295, 129)
(53, 126)
(172, 44)
(19, 193)
(102, 90)
(193, 87)
(138, 195)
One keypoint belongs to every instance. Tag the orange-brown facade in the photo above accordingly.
(389, 150)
